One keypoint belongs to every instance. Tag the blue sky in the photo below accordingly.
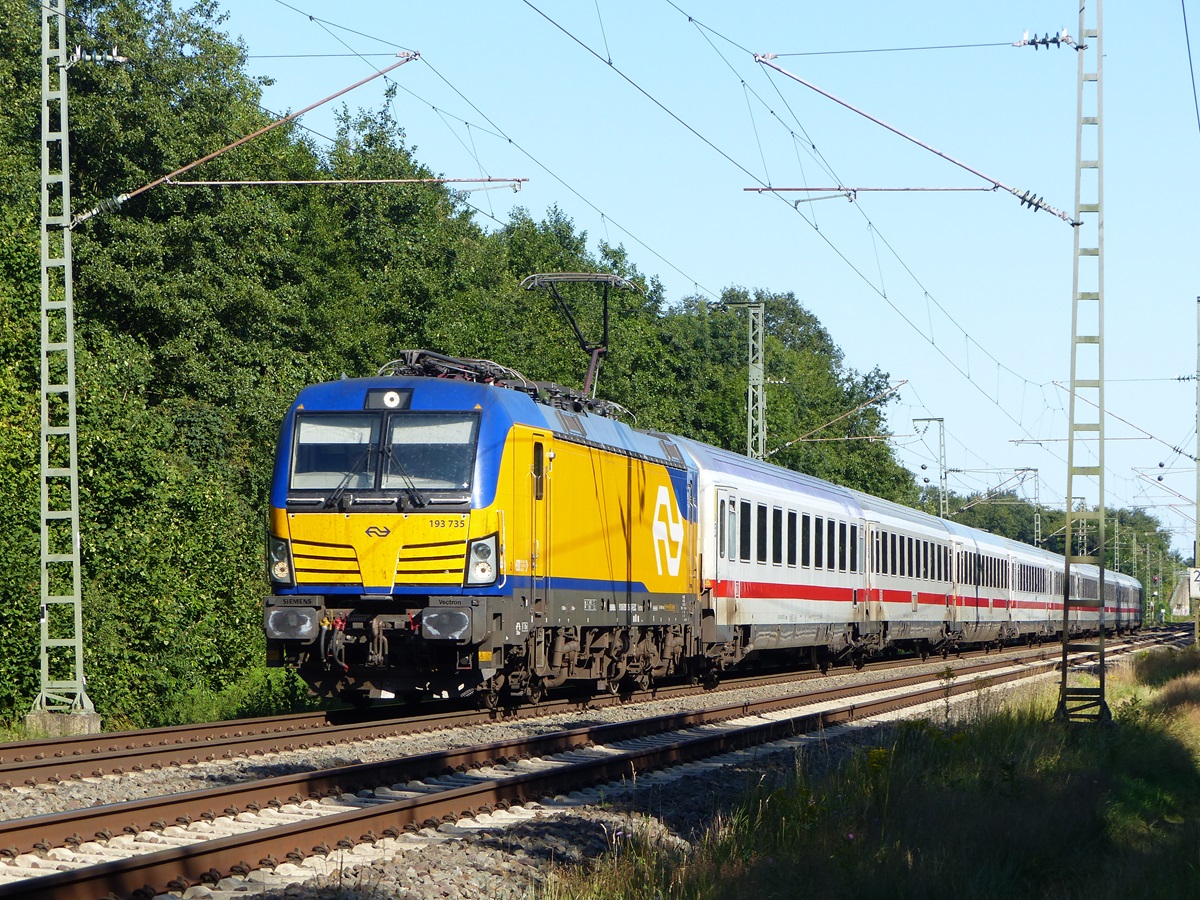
(645, 127)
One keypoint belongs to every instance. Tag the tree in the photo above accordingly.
(201, 311)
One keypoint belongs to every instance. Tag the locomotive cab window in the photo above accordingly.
(332, 451)
(435, 451)
(422, 451)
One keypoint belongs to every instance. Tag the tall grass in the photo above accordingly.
(1003, 803)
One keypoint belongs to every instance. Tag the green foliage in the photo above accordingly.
(201, 311)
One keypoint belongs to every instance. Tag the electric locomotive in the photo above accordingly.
(450, 528)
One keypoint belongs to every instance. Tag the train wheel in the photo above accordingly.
(535, 691)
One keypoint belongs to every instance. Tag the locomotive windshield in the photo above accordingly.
(333, 451)
(431, 450)
(377, 451)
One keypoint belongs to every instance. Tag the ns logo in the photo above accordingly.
(667, 529)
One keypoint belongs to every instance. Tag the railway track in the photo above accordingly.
(77, 757)
(281, 825)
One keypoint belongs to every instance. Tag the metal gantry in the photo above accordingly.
(1085, 703)
(943, 494)
(1037, 503)
(756, 398)
(63, 685)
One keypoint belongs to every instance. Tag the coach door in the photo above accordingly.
(961, 588)
(873, 595)
(1009, 604)
(726, 585)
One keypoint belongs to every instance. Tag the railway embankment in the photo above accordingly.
(867, 803)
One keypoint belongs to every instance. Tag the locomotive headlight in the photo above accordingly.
(280, 560)
(481, 561)
(289, 623)
(391, 399)
(443, 624)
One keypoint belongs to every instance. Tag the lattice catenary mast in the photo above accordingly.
(1079, 703)
(63, 685)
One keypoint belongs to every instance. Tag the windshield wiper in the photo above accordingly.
(335, 498)
(415, 496)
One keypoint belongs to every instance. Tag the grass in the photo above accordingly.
(1000, 802)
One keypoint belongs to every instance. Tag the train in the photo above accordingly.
(449, 528)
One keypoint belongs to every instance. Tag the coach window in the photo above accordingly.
(894, 555)
(843, 550)
(732, 529)
(830, 542)
(853, 548)
(806, 540)
(791, 538)
(925, 567)
(721, 530)
(744, 535)
(763, 534)
(819, 543)
(777, 536)
(883, 553)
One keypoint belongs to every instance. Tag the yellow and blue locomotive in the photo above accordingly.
(450, 528)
